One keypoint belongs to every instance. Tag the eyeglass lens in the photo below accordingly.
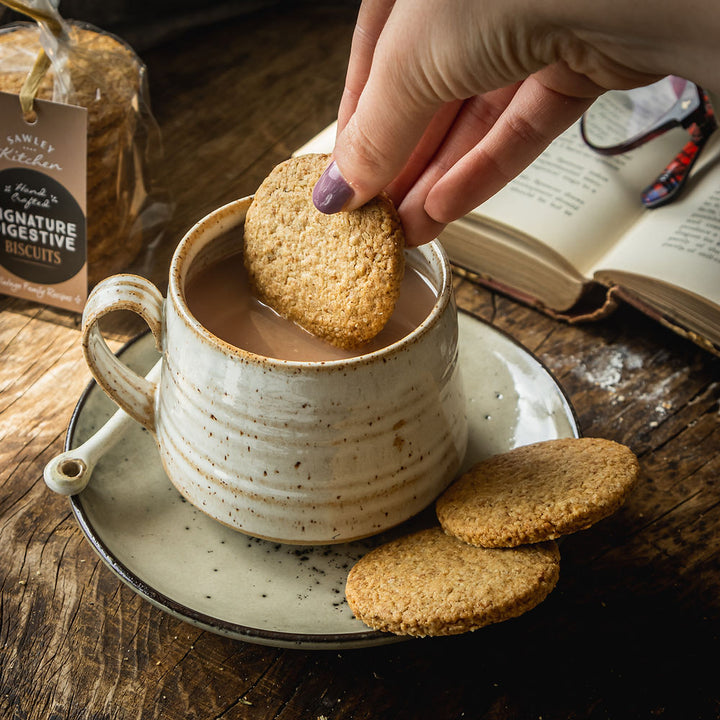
(619, 117)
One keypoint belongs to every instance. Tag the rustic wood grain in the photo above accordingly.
(631, 631)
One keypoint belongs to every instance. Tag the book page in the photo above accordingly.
(514, 264)
(323, 142)
(679, 243)
(578, 202)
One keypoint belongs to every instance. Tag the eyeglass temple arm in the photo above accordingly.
(673, 178)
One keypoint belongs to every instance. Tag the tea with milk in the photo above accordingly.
(219, 297)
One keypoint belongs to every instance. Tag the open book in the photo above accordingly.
(570, 236)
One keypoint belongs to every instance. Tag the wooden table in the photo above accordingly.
(631, 631)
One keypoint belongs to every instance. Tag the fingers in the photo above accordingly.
(535, 116)
(372, 16)
(494, 138)
(423, 153)
(419, 227)
(375, 144)
(474, 120)
(396, 104)
(400, 129)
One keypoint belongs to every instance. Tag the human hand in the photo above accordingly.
(447, 100)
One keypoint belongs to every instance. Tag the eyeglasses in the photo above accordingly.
(622, 120)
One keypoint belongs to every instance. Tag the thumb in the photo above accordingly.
(372, 149)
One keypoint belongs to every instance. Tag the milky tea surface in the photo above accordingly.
(220, 298)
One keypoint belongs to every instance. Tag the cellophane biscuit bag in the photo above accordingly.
(74, 63)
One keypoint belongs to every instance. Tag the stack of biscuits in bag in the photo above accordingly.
(105, 76)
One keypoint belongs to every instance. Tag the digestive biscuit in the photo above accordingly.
(431, 583)
(538, 492)
(338, 276)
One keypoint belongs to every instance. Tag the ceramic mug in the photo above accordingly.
(295, 452)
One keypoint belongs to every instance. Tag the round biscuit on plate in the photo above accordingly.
(338, 276)
(429, 583)
(538, 492)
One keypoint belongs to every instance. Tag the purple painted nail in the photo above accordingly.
(331, 192)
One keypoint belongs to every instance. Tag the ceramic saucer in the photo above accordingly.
(280, 595)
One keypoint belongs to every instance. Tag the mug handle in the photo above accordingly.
(132, 392)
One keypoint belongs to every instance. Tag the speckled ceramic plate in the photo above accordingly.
(286, 596)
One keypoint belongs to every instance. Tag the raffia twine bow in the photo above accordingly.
(42, 61)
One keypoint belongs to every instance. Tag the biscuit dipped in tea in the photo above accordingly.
(338, 276)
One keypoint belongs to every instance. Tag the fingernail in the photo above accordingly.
(331, 192)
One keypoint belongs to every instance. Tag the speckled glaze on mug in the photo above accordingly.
(297, 452)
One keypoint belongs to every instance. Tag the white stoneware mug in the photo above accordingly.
(296, 452)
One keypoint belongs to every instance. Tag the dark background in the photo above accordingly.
(145, 24)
